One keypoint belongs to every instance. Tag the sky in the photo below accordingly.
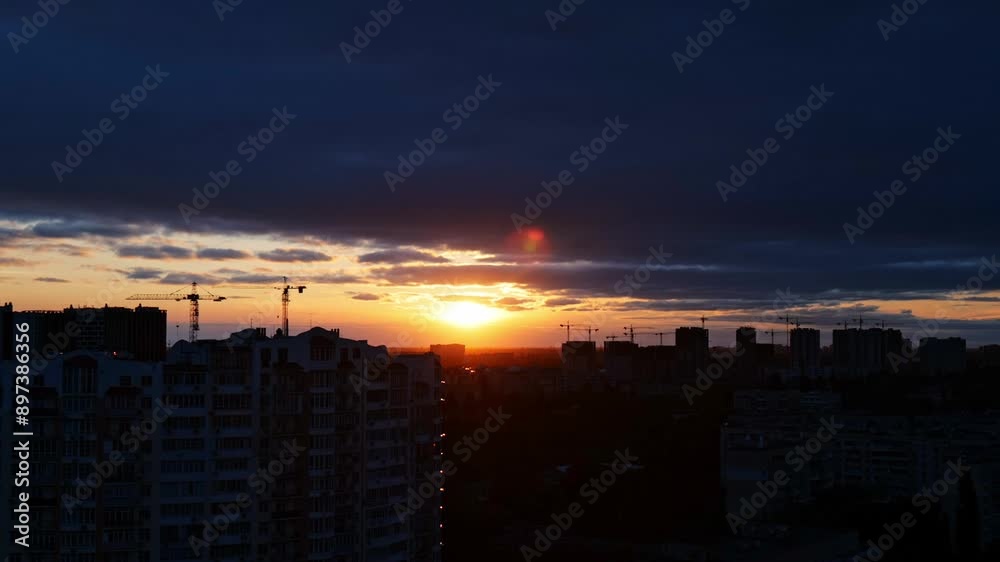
(640, 234)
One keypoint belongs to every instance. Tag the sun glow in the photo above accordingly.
(468, 314)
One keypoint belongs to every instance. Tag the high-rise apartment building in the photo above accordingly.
(291, 448)
(139, 333)
(805, 352)
(692, 353)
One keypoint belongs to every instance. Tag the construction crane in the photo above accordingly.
(661, 334)
(861, 322)
(703, 322)
(630, 331)
(194, 297)
(788, 332)
(772, 332)
(567, 326)
(285, 299)
(589, 329)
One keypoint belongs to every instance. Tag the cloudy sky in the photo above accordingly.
(438, 257)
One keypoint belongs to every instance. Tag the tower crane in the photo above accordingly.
(661, 334)
(630, 331)
(589, 329)
(788, 332)
(285, 299)
(772, 332)
(861, 322)
(194, 297)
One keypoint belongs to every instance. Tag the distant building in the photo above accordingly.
(139, 334)
(990, 356)
(942, 356)
(452, 354)
(860, 353)
(805, 352)
(579, 365)
(620, 359)
(692, 353)
(747, 361)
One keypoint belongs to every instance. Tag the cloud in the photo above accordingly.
(75, 229)
(188, 278)
(12, 261)
(562, 302)
(401, 256)
(222, 254)
(511, 301)
(333, 278)
(365, 297)
(50, 280)
(154, 252)
(144, 273)
(253, 279)
(293, 255)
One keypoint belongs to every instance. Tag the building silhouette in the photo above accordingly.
(805, 352)
(326, 439)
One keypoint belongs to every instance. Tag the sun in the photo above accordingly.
(468, 314)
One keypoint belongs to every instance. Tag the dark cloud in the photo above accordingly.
(144, 273)
(293, 255)
(253, 279)
(562, 302)
(188, 278)
(51, 280)
(401, 256)
(78, 228)
(323, 179)
(222, 254)
(154, 252)
(365, 297)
